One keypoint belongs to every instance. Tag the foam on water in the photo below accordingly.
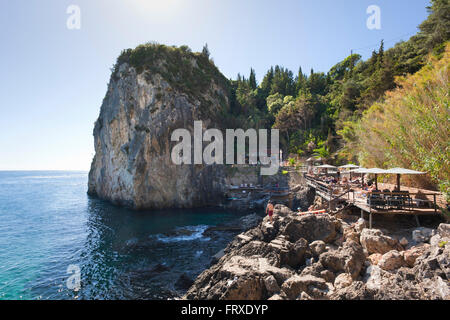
(196, 234)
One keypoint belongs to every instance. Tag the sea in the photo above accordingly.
(58, 243)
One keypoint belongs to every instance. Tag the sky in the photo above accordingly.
(53, 79)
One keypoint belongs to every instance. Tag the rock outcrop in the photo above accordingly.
(306, 257)
(154, 90)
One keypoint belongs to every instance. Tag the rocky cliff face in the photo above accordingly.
(154, 90)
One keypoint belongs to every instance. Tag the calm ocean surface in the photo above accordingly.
(47, 222)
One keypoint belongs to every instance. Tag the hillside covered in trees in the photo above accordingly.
(333, 114)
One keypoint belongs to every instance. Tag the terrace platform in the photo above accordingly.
(410, 201)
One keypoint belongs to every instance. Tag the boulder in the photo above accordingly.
(313, 227)
(444, 230)
(391, 260)
(271, 285)
(374, 241)
(295, 285)
(404, 242)
(327, 275)
(350, 259)
(351, 234)
(343, 280)
(296, 255)
(410, 256)
(250, 221)
(277, 297)
(317, 247)
(360, 225)
(422, 234)
(375, 258)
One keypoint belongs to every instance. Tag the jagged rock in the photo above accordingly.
(263, 263)
(350, 258)
(373, 278)
(317, 247)
(413, 253)
(327, 275)
(295, 255)
(360, 225)
(351, 234)
(271, 285)
(343, 280)
(236, 278)
(422, 234)
(391, 260)
(374, 241)
(356, 291)
(313, 227)
(277, 297)
(270, 231)
(444, 230)
(404, 242)
(305, 296)
(281, 210)
(295, 285)
(315, 269)
(375, 258)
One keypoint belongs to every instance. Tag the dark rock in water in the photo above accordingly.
(184, 282)
(247, 222)
(160, 268)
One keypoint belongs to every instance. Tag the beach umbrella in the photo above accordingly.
(326, 167)
(400, 171)
(376, 172)
(349, 166)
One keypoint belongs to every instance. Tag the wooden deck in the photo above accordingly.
(354, 196)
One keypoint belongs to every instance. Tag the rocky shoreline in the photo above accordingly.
(311, 256)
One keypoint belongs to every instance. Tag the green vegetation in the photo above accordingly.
(186, 71)
(410, 127)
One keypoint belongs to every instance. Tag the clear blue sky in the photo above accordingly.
(53, 79)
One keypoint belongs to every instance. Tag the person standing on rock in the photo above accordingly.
(269, 211)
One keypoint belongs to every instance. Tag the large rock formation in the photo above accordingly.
(154, 90)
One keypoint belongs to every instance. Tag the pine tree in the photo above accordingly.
(205, 51)
(252, 79)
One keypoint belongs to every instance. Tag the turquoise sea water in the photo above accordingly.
(48, 222)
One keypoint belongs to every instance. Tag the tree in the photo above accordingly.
(436, 28)
(252, 79)
(205, 51)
